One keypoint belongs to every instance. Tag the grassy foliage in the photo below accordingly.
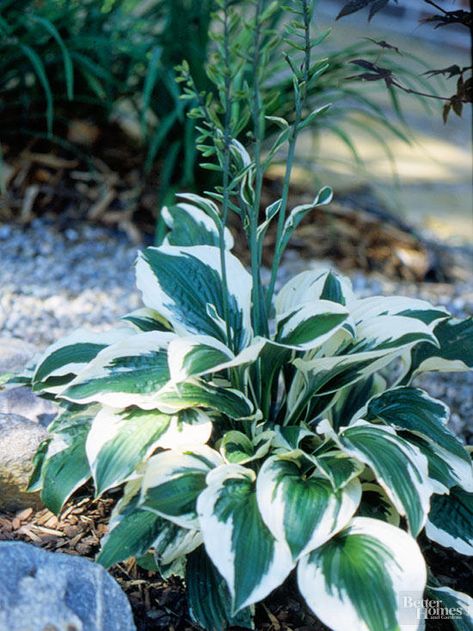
(95, 58)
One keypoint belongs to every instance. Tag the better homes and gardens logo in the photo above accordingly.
(412, 609)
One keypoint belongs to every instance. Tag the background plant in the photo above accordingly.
(254, 432)
(109, 59)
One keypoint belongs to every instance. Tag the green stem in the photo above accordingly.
(226, 171)
(299, 106)
(256, 112)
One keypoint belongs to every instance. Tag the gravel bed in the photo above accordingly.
(54, 282)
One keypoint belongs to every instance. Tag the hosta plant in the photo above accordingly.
(252, 433)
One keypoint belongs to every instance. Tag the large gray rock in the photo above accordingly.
(19, 440)
(25, 403)
(15, 354)
(42, 591)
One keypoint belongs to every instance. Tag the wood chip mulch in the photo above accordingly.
(157, 605)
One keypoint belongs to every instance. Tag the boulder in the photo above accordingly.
(42, 591)
(19, 440)
(22, 401)
(15, 354)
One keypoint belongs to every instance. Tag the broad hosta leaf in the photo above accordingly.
(173, 542)
(460, 603)
(204, 394)
(450, 521)
(172, 482)
(309, 326)
(192, 226)
(119, 441)
(387, 332)
(339, 468)
(70, 415)
(132, 531)
(354, 580)
(184, 284)
(400, 468)
(302, 511)
(455, 350)
(68, 356)
(445, 470)
(65, 468)
(237, 448)
(377, 343)
(145, 319)
(236, 538)
(351, 402)
(309, 287)
(126, 373)
(414, 410)
(208, 596)
(196, 355)
(369, 308)
(186, 430)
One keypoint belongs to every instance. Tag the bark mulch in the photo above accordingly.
(157, 605)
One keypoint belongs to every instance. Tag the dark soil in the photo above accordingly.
(161, 605)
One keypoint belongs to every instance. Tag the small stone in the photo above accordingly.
(19, 440)
(15, 354)
(49, 590)
(25, 403)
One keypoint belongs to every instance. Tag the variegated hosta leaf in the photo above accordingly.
(190, 225)
(132, 530)
(237, 448)
(145, 320)
(351, 403)
(400, 468)
(196, 355)
(375, 306)
(450, 521)
(208, 597)
(323, 377)
(64, 467)
(309, 326)
(460, 604)
(196, 393)
(173, 480)
(184, 284)
(290, 437)
(186, 430)
(386, 333)
(236, 538)
(127, 373)
(303, 511)
(453, 353)
(376, 504)
(174, 542)
(414, 410)
(66, 358)
(377, 343)
(311, 286)
(119, 440)
(354, 581)
(338, 468)
(445, 471)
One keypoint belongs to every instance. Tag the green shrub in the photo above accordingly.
(254, 433)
